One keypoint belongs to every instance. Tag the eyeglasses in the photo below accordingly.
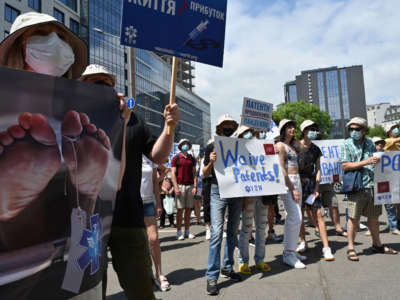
(355, 129)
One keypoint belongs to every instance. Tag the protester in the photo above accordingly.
(226, 126)
(357, 154)
(197, 196)
(149, 189)
(167, 194)
(184, 179)
(206, 197)
(255, 210)
(292, 200)
(310, 175)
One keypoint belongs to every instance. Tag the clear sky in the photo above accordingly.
(268, 42)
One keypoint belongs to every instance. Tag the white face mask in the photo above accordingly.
(49, 54)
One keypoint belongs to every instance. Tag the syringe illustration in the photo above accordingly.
(196, 32)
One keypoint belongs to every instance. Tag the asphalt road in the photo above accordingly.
(375, 276)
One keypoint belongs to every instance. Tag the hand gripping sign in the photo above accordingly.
(246, 168)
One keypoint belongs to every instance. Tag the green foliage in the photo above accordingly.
(377, 131)
(301, 111)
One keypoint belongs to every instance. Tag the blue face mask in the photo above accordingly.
(395, 131)
(262, 135)
(312, 135)
(248, 135)
(356, 135)
(185, 148)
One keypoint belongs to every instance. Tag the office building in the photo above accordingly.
(98, 23)
(338, 91)
(376, 113)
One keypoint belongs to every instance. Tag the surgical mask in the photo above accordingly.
(312, 135)
(185, 148)
(356, 135)
(395, 131)
(228, 131)
(49, 54)
(248, 135)
(262, 135)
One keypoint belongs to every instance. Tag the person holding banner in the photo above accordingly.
(357, 155)
(288, 159)
(255, 210)
(226, 126)
(310, 174)
(206, 196)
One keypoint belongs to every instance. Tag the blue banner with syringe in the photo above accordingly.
(193, 30)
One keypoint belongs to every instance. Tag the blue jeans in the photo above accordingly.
(391, 211)
(218, 207)
(258, 211)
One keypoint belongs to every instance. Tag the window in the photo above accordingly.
(70, 3)
(35, 4)
(321, 91)
(74, 26)
(125, 58)
(58, 15)
(126, 74)
(10, 13)
(292, 93)
(6, 33)
(332, 89)
(345, 94)
(126, 91)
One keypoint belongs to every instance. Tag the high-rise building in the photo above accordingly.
(376, 113)
(98, 22)
(338, 91)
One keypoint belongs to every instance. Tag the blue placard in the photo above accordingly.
(130, 103)
(193, 30)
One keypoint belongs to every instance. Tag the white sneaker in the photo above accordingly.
(179, 236)
(208, 233)
(328, 256)
(290, 259)
(189, 235)
(300, 257)
(302, 247)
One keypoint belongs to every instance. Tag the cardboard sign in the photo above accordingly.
(62, 153)
(193, 30)
(331, 168)
(256, 114)
(387, 178)
(244, 170)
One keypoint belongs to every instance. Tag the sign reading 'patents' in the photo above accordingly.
(256, 114)
(193, 30)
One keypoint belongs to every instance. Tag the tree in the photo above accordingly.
(301, 111)
(377, 131)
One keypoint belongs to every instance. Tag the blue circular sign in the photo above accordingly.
(130, 103)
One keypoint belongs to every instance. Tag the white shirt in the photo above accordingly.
(147, 188)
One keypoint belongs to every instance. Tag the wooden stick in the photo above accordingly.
(173, 88)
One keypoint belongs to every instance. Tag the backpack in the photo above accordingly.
(177, 161)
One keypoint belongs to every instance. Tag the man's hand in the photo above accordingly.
(172, 114)
(213, 157)
(177, 191)
(194, 191)
(373, 160)
(296, 195)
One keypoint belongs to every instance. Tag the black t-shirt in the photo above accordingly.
(128, 210)
(212, 178)
(307, 159)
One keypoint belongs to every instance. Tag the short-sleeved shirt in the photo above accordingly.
(391, 145)
(307, 159)
(351, 152)
(184, 168)
(211, 178)
(128, 210)
(147, 187)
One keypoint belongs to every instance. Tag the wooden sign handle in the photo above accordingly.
(173, 88)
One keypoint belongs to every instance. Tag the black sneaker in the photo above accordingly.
(230, 274)
(212, 287)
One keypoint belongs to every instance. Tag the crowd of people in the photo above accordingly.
(150, 190)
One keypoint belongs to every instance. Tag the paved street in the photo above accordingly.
(373, 277)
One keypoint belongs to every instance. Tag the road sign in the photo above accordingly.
(130, 103)
(193, 30)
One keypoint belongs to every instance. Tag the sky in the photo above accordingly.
(269, 42)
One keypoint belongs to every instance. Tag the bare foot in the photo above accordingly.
(92, 147)
(29, 158)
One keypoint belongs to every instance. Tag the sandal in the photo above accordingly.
(352, 255)
(341, 233)
(383, 250)
(162, 283)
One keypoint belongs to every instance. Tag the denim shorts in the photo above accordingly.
(149, 209)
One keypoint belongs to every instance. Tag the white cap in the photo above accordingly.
(241, 129)
(283, 122)
(306, 123)
(389, 127)
(358, 121)
(377, 139)
(95, 69)
(183, 141)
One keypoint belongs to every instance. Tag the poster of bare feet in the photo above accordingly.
(60, 145)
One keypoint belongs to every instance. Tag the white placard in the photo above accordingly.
(256, 114)
(244, 169)
(331, 168)
(387, 178)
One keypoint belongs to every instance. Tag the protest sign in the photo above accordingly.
(193, 30)
(64, 153)
(246, 168)
(331, 168)
(256, 114)
(387, 178)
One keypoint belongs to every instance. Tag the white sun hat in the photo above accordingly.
(306, 123)
(95, 69)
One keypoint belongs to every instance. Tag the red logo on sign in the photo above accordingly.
(269, 149)
(383, 187)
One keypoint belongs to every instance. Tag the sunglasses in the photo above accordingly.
(355, 129)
